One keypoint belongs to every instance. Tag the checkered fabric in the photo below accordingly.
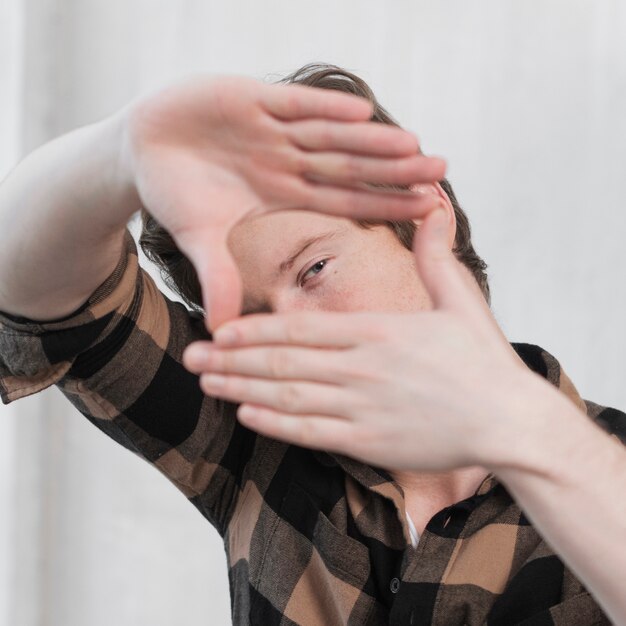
(311, 538)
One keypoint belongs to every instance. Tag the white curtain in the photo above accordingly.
(525, 99)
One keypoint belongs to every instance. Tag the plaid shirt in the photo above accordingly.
(311, 538)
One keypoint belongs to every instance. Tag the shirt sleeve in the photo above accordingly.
(118, 360)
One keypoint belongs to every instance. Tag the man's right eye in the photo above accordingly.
(315, 269)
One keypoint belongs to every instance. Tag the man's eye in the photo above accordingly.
(313, 270)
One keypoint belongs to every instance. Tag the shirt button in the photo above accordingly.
(394, 585)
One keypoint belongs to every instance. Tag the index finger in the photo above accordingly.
(319, 328)
(291, 102)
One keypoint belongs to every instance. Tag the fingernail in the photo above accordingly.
(225, 336)
(214, 380)
(194, 355)
(246, 411)
(440, 160)
(441, 224)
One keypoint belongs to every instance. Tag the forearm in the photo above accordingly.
(572, 489)
(63, 211)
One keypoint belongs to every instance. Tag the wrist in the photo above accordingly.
(536, 430)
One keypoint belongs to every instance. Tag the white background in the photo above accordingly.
(526, 100)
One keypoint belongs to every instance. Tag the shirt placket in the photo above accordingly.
(416, 589)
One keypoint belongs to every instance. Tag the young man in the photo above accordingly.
(453, 428)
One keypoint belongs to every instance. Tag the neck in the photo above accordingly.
(440, 489)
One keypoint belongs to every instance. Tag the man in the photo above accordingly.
(404, 370)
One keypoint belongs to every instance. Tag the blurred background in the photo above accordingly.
(526, 100)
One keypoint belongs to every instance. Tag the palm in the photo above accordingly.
(209, 152)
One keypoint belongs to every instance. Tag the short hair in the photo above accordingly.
(178, 272)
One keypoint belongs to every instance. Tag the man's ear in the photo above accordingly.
(437, 190)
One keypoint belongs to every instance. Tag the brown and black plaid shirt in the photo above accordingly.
(311, 538)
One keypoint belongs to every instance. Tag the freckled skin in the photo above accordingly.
(365, 269)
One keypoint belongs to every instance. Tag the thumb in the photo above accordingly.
(220, 282)
(437, 265)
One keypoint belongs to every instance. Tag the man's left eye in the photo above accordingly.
(314, 270)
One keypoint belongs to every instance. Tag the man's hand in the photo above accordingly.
(432, 390)
(206, 153)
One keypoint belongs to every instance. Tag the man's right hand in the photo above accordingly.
(205, 153)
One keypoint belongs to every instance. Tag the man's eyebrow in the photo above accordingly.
(302, 245)
(286, 265)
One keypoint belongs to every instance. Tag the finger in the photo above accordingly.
(367, 202)
(339, 168)
(219, 278)
(310, 328)
(291, 102)
(358, 137)
(288, 396)
(284, 363)
(309, 431)
(440, 271)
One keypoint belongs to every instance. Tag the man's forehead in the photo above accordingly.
(272, 238)
(290, 222)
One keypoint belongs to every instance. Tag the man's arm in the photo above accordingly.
(63, 212)
(571, 483)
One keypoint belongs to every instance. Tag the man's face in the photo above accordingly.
(346, 268)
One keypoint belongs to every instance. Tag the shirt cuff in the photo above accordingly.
(35, 355)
